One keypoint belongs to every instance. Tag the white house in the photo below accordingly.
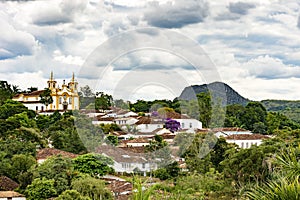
(230, 131)
(125, 121)
(189, 123)
(148, 124)
(126, 161)
(103, 120)
(245, 141)
(11, 195)
(137, 142)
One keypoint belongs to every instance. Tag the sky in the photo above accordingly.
(147, 49)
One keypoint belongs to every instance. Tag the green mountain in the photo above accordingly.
(291, 109)
(218, 90)
(229, 96)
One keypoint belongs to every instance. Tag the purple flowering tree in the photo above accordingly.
(172, 125)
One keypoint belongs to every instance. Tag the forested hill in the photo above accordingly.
(218, 90)
(290, 109)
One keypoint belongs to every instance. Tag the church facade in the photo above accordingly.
(64, 98)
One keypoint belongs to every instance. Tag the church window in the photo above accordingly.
(70, 100)
(60, 100)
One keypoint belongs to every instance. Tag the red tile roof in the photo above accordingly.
(6, 194)
(7, 184)
(246, 137)
(48, 152)
(229, 129)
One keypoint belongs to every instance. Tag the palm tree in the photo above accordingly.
(285, 183)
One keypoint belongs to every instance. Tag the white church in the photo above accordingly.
(64, 98)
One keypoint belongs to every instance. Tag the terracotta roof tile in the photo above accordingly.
(229, 129)
(48, 152)
(246, 137)
(120, 155)
(7, 184)
(6, 194)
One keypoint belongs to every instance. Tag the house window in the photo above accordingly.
(70, 100)
(246, 144)
(191, 125)
(36, 108)
(143, 165)
(42, 108)
(60, 100)
(182, 125)
(36, 98)
(146, 126)
(242, 146)
(126, 165)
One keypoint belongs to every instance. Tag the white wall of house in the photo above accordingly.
(102, 122)
(128, 167)
(148, 127)
(35, 106)
(126, 121)
(137, 144)
(245, 144)
(189, 123)
(13, 198)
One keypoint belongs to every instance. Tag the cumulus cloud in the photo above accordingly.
(267, 67)
(176, 14)
(57, 12)
(240, 7)
(15, 42)
(235, 11)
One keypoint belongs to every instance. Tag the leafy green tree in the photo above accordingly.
(218, 114)
(112, 139)
(58, 169)
(246, 165)
(109, 128)
(234, 115)
(197, 156)
(120, 103)
(254, 113)
(93, 164)
(23, 120)
(103, 101)
(169, 171)
(40, 189)
(157, 143)
(20, 166)
(10, 108)
(46, 97)
(205, 108)
(5, 164)
(140, 106)
(218, 153)
(277, 121)
(71, 195)
(183, 140)
(92, 188)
